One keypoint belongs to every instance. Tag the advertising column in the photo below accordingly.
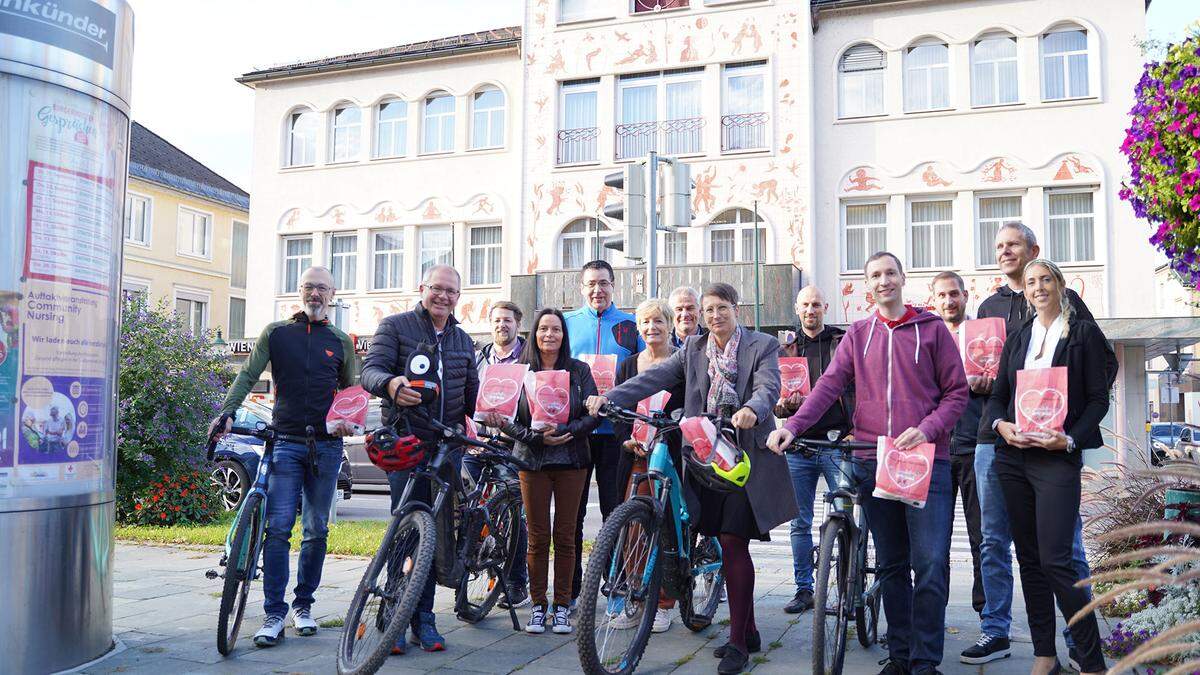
(64, 130)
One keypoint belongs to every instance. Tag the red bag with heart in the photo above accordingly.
(701, 435)
(981, 342)
(349, 408)
(499, 390)
(793, 376)
(549, 394)
(1041, 400)
(604, 370)
(903, 475)
(653, 403)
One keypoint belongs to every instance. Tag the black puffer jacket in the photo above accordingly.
(573, 454)
(398, 336)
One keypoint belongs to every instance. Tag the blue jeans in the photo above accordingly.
(804, 472)
(995, 552)
(913, 544)
(292, 483)
(518, 576)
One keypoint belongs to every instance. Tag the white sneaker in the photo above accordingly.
(537, 620)
(303, 622)
(271, 632)
(662, 621)
(562, 620)
(625, 621)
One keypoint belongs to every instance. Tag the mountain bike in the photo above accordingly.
(845, 582)
(649, 542)
(467, 536)
(243, 543)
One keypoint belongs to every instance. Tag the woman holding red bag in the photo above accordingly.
(559, 457)
(1039, 470)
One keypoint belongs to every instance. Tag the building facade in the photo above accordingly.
(186, 236)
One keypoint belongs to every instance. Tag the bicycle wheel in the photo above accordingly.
(697, 608)
(613, 630)
(866, 619)
(478, 590)
(831, 600)
(240, 567)
(388, 593)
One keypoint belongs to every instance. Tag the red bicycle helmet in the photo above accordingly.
(393, 452)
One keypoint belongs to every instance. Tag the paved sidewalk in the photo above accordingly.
(165, 613)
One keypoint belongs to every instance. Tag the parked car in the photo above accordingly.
(1188, 442)
(364, 473)
(236, 459)
(1163, 437)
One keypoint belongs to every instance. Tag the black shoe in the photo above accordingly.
(985, 650)
(1073, 659)
(734, 661)
(520, 597)
(802, 601)
(753, 645)
(893, 667)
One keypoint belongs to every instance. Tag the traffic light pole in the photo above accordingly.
(652, 245)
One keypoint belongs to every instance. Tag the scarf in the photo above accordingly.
(722, 373)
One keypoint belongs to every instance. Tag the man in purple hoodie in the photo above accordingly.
(910, 385)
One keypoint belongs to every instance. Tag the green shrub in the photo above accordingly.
(184, 497)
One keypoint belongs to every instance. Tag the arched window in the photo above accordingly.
(1065, 63)
(994, 70)
(927, 77)
(579, 244)
(302, 138)
(860, 81)
(731, 237)
(347, 133)
(391, 128)
(438, 125)
(487, 118)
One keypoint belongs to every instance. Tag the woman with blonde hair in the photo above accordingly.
(1039, 471)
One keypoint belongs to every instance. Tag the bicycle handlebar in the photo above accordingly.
(812, 446)
(659, 420)
(491, 452)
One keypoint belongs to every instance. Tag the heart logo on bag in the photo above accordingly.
(906, 469)
(794, 376)
(350, 405)
(553, 400)
(1042, 406)
(499, 391)
(604, 379)
(985, 352)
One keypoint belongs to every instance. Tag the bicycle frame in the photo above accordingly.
(855, 521)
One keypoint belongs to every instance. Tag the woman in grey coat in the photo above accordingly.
(731, 368)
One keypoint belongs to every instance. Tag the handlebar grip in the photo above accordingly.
(214, 436)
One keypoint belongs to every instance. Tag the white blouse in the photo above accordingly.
(1044, 340)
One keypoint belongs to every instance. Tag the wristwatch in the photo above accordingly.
(1070, 444)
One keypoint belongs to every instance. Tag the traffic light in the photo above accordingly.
(632, 209)
(678, 202)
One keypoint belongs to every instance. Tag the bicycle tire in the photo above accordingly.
(866, 619)
(609, 542)
(699, 617)
(395, 550)
(504, 506)
(832, 559)
(247, 533)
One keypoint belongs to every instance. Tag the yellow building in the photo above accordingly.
(186, 236)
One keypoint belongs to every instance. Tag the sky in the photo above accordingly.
(185, 60)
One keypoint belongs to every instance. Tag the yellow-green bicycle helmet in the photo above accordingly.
(714, 476)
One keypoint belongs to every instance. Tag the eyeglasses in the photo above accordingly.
(594, 284)
(321, 288)
(442, 290)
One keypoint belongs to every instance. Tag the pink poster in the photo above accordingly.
(903, 475)
(793, 376)
(604, 370)
(981, 344)
(349, 408)
(549, 393)
(499, 387)
(653, 404)
(1041, 400)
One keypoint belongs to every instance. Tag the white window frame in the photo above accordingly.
(229, 326)
(490, 115)
(489, 276)
(399, 131)
(343, 146)
(138, 285)
(1066, 63)
(933, 237)
(663, 247)
(980, 221)
(867, 76)
(284, 258)
(846, 227)
(148, 213)
(746, 69)
(352, 283)
(400, 256)
(930, 71)
(309, 144)
(208, 233)
(1045, 234)
(442, 118)
(615, 258)
(445, 253)
(739, 228)
(196, 295)
(233, 253)
(995, 63)
(573, 88)
(660, 80)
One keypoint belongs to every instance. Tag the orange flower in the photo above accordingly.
(162, 516)
(176, 507)
(137, 507)
(183, 494)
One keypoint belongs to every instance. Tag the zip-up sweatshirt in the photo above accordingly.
(609, 332)
(907, 376)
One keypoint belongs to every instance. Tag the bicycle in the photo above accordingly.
(470, 535)
(647, 542)
(842, 588)
(243, 543)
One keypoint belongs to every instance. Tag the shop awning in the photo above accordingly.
(1159, 335)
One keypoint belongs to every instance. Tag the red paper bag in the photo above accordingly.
(903, 475)
(499, 390)
(469, 429)
(701, 435)
(654, 403)
(349, 408)
(549, 393)
(793, 376)
(981, 343)
(604, 370)
(1041, 400)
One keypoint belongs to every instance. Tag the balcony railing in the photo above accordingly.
(577, 145)
(744, 131)
(640, 6)
(674, 137)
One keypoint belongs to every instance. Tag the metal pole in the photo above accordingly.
(652, 245)
(757, 274)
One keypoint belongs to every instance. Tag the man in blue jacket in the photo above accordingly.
(598, 327)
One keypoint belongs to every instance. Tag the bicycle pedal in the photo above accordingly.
(211, 574)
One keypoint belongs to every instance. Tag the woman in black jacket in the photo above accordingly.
(559, 457)
(1039, 471)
